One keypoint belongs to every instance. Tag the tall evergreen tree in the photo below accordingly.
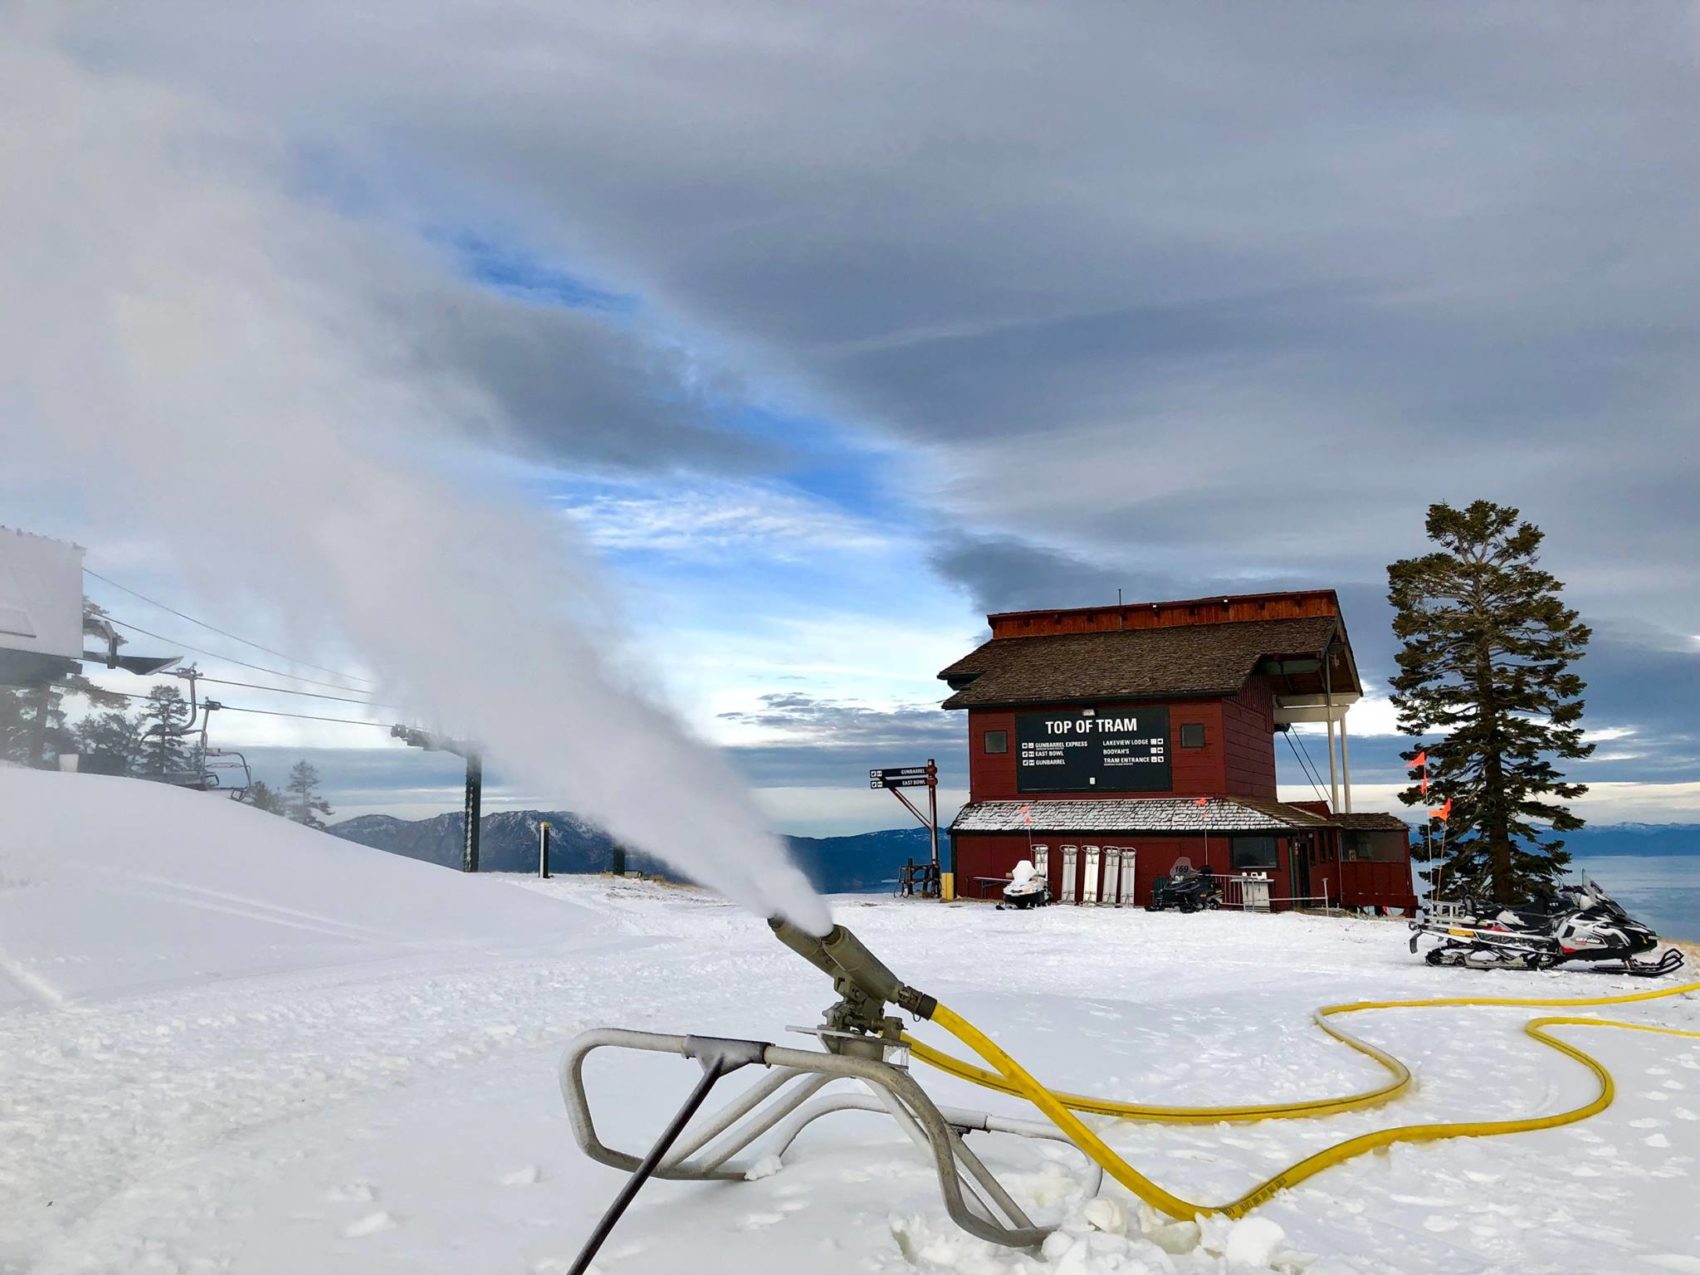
(32, 725)
(17, 725)
(164, 711)
(305, 804)
(1488, 645)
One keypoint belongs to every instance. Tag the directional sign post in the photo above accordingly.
(896, 778)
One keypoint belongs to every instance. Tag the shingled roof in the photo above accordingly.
(1207, 659)
(1109, 815)
(1372, 821)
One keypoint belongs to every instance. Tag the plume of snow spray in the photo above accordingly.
(191, 351)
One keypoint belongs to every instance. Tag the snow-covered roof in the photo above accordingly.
(1135, 815)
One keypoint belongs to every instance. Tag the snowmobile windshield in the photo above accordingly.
(1592, 896)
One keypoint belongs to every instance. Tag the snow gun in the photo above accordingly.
(858, 1041)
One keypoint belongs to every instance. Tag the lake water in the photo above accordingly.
(1662, 891)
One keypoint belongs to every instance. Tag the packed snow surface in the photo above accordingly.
(232, 1044)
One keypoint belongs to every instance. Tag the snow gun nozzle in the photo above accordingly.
(842, 955)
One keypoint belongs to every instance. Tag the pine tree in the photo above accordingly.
(165, 754)
(1486, 664)
(17, 717)
(111, 743)
(262, 796)
(32, 725)
(305, 804)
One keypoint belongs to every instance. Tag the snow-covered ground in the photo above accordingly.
(229, 1044)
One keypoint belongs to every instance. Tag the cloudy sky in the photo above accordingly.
(822, 330)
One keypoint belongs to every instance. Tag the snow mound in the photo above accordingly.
(114, 886)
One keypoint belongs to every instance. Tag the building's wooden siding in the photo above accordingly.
(1248, 737)
(982, 861)
(1304, 605)
(1364, 883)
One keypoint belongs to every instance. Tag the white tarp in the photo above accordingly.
(41, 595)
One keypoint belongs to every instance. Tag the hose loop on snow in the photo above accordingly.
(1011, 1078)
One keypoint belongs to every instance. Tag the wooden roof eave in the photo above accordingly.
(1092, 700)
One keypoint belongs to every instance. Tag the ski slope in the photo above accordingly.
(231, 1044)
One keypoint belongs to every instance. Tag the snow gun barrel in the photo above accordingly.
(842, 956)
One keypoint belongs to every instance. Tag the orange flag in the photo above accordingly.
(1420, 760)
(1027, 814)
(1202, 801)
(1444, 813)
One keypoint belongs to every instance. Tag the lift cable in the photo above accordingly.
(283, 690)
(1305, 765)
(305, 717)
(228, 659)
(270, 712)
(1310, 764)
(221, 632)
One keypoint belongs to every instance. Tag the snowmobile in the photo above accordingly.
(1028, 888)
(1186, 889)
(1571, 923)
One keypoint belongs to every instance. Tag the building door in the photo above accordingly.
(1299, 856)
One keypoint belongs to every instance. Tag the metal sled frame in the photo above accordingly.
(785, 1103)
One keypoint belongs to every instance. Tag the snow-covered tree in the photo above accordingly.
(304, 803)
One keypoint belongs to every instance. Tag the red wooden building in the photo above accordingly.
(1106, 725)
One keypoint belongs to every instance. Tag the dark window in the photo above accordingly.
(997, 741)
(1192, 734)
(1251, 852)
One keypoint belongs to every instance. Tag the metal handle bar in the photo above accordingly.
(895, 1091)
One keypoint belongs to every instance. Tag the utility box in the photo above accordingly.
(1254, 892)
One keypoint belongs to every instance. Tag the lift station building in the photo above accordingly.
(1151, 726)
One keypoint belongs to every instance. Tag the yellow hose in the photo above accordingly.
(1011, 1078)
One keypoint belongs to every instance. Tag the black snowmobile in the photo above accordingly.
(1571, 923)
(1186, 889)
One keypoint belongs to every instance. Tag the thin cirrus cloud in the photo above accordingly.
(716, 520)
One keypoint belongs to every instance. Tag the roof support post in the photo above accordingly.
(1328, 700)
(1345, 762)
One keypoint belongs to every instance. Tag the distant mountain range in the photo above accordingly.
(507, 842)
